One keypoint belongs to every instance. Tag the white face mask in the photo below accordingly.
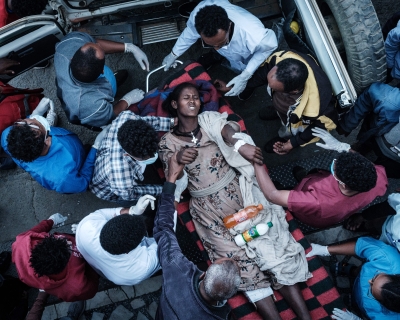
(148, 161)
(43, 121)
(269, 90)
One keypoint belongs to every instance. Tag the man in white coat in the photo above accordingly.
(233, 32)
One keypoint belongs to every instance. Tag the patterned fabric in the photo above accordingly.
(319, 292)
(118, 177)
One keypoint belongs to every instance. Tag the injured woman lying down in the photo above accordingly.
(221, 182)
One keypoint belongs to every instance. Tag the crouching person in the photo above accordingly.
(188, 293)
(52, 262)
(114, 243)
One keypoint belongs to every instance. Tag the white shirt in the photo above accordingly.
(122, 269)
(251, 42)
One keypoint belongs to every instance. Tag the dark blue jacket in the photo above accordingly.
(180, 297)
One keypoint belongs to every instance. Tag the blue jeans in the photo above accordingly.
(379, 105)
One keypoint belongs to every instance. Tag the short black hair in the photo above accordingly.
(50, 256)
(292, 73)
(174, 96)
(210, 19)
(24, 8)
(122, 234)
(85, 66)
(25, 143)
(138, 138)
(355, 171)
(390, 293)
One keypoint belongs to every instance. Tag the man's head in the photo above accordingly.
(122, 234)
(221, 280)
(24, 8)
(138, 139)
(27, 140)
(386, 289)
(213, 25)
(50, 256)
(288, 75)
(88, 62)
(355, 171)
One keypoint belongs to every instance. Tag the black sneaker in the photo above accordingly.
(246, 94)
(76, 309)
(7, 163)
(269, 146)
(299, 173)
(268, 113)
(120, 76)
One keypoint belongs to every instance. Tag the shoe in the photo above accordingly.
(342, 269)
(42, 65)
(52, 118)
(76, 309)
(268, 113)
(209, 59)
(7, 163)
(246, 94)
(269, 146)
(121, 76)
(299, 173)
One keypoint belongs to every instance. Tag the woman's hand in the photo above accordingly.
(282, 148)
(221, 86)
(187, 155)
(251, 153)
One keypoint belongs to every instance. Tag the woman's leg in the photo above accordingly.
(267, 309)
(295, 300)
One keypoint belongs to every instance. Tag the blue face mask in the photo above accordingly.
(332, 171)
(148, 161)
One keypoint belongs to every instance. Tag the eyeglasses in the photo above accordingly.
(33, 126)
(217, 47)
(369, 293)
(333, 172)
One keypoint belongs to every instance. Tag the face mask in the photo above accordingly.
(43, 121)
(148, 161)
(269, 90)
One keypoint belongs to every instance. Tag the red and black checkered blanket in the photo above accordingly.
(319, 292)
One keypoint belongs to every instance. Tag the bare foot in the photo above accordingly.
(354, 223)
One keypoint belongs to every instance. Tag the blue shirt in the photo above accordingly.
(382, 258)
(65, 168)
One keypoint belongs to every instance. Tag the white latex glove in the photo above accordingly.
(344, 315)
(181, 185)
(318, 250)
(175, 219)
(330, 142)
(169, 61)
(139, 55)
(58, 220)
(73, 227)
(245, 137)
(100, 137)
(142, 204)
(42, 107)
(133, 96)
(239, 83)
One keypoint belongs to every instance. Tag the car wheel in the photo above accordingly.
(363, 41)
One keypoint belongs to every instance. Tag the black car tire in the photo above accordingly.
(362, 37)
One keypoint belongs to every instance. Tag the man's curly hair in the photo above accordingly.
(50, 256)
(210, 19)
(24, 8)
(357, 172)
(292, 73)
(25, 143)
(138, 138)
(122, 234)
